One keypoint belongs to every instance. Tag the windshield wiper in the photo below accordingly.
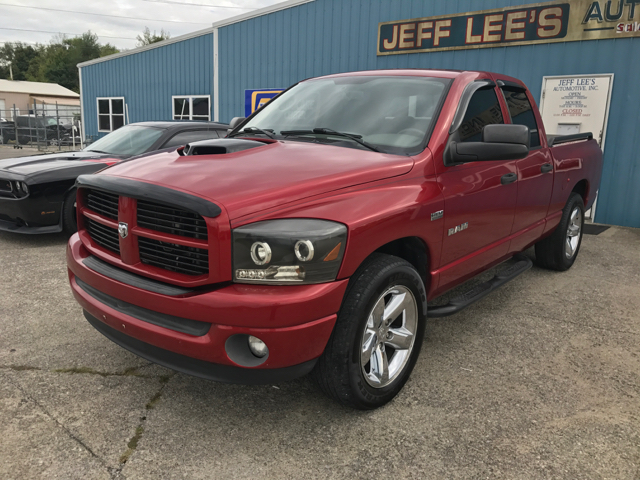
(328, 131)
(256, 130)
(98, 151)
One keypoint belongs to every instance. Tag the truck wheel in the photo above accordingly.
(69, 219)
(559, 251)
(377, 337)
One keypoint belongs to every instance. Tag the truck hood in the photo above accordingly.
(275, 174)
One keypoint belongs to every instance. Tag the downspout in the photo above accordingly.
(216, 78)
(82, 116)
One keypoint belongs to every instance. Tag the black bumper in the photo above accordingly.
(30, 215)
(200, 368)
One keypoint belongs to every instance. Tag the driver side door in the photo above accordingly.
(479, 199)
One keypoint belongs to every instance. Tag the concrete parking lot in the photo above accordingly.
(539, 380)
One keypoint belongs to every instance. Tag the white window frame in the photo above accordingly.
(190, 98)
(124, 112)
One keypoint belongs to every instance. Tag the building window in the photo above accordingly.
(191, 107)
(110, 113)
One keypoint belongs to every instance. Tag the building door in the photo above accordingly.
(576, 104)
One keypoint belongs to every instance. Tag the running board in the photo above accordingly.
(478, 292)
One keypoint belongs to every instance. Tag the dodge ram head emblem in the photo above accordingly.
(123, 229)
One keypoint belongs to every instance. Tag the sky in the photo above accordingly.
(117, 22)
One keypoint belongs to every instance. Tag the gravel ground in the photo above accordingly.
(539, 380)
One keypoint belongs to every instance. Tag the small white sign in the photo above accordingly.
(575, 104)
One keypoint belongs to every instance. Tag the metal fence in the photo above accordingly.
(49, 127)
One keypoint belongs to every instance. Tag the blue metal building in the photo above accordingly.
(280, 45)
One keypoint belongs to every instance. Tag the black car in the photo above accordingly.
(37, 193)
(7, 131)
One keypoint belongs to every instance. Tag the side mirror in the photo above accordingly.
(499, 142)
(235, 121)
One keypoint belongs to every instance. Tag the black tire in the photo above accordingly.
(339, 371)
(552, 252)
(69, 219)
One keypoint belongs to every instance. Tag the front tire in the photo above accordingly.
(559, 251)
(69, 216)
(377, 337)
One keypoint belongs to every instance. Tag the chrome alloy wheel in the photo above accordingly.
(573, 233)
(389, 336)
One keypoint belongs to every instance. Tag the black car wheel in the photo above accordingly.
(69, 215)
(377, 337)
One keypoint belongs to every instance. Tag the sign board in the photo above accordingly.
(577, 104)
(255, 99)
(568, 21)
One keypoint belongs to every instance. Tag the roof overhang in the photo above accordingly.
(222, 23)
(62, 101)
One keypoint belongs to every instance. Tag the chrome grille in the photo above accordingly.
(104, 236)
(171, 220)
(176, 258)
(103, 203)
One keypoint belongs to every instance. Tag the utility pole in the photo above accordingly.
(10, 72)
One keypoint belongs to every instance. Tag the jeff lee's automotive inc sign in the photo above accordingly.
(568, 21)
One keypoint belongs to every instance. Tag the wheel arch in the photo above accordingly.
(582, 189)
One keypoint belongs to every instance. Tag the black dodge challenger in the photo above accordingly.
(37, 193)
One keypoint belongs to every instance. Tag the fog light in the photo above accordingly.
(257, 347)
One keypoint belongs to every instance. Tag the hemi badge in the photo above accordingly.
(437, 215)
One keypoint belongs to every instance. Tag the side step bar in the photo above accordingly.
(523, 263)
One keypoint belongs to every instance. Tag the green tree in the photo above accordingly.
(58, 63)
(148, 38)
(20, 56)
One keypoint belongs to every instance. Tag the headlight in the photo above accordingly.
(288, 251)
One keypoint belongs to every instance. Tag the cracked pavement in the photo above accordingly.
(541, 379)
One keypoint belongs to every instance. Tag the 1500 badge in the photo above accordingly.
(459, 228)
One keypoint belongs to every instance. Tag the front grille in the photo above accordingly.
(106, 204)
(176, 258)
(171, 220)
(104, 236)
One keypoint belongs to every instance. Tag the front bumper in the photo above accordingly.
(189, 331)
(29, 215)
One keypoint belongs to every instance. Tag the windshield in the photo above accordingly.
(394, 114)
(127, 140)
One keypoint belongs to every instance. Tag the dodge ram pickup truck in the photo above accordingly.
(317, 235)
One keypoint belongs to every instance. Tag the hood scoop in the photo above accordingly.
(218, 146)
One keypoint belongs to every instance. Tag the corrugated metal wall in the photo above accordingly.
(148, 79)
(330, 36)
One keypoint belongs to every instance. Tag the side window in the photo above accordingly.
(483, 109)
(522, 113)
(183, 138)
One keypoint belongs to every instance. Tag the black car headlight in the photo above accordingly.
(288, 251)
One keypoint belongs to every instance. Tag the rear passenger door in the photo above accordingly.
(190, 136)
(479, 197)
(535, 172)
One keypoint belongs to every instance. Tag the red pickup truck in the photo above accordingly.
(315, 237)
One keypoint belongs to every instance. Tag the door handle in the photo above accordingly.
(546, 168)
(508, 178)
